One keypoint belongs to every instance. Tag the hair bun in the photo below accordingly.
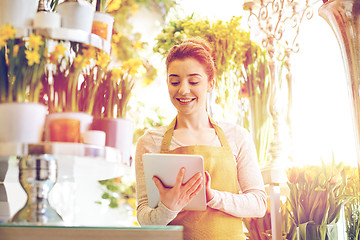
(200, 41)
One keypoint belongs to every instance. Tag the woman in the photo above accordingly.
(234, 186)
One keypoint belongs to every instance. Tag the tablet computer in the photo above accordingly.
(166, 167)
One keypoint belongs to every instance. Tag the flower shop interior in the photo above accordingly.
(81, 81)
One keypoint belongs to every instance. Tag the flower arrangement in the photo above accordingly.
(72, 79)
(22, 65)
(317, 194)
(115, 89)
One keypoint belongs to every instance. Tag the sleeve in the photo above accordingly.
(251, 201)
(160, 215)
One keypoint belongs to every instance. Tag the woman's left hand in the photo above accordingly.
(209, 193)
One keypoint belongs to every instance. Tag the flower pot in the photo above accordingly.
(19, 13)
(311, 231)
(76, 14)
(73, 125)
(119, 134)
(103, 25)
(22, 122)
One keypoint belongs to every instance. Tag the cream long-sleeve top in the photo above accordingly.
(249, 202)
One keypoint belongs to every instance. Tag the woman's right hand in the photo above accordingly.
(177, 197)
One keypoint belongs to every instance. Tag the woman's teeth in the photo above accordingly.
(185, 100)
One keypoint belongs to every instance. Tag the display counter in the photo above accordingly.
(33, 232)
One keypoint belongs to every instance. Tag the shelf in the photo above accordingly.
(15, 232)
(67, 34)
(75, 160)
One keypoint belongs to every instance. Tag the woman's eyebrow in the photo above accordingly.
(173, 75)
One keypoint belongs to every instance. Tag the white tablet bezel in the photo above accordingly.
(167, 167)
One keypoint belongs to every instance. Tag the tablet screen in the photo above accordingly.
(166, 167)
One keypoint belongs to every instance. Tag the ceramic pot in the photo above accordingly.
(19, 13)
(103, 25)
(119, 134)
(22, 122)
(81, 121)
(76, 15)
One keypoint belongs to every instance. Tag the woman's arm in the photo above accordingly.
(160, 215)
(251, 201)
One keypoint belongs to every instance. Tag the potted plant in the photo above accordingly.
(111, 105)
(315, 200)
(70, 86)
(22, 64)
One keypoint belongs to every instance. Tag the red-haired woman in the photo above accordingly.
(233, 182)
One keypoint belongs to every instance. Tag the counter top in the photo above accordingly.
(33, 232)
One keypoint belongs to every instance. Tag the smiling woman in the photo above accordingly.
(233, 182)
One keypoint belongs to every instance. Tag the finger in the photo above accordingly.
(196, 191)
(193, 187)
(180, 177)
(207, 179)
(158, 184)
(194, 178)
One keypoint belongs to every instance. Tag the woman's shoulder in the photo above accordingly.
(233, 129)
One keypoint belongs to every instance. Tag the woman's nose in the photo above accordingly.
(184, 88)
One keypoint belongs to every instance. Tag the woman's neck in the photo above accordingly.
(193, 121)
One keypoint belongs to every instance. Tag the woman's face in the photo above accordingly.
(188, 85)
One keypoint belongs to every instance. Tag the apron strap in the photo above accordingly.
(165, 144)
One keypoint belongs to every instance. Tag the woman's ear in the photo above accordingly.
(211, 85)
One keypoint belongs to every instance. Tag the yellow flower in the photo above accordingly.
(34, 41)
(134, 8)
(133, 66)
(7, 31)
(138, 45)
(293, 175)
(32, 57)
(116, 37)
(116, 74)
(132, 202)
(79, 61)
(58, 52)
(114, 5)
(103, 60)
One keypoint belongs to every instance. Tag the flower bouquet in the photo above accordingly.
(316, 198)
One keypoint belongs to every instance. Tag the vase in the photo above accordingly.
(19, 13)
(22, 122)
(343, 16)
(78, 14)
(311, 231)
(119, 134)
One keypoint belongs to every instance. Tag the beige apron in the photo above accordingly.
(219, 162)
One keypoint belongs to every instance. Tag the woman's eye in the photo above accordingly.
(194, 83)
(174, 83)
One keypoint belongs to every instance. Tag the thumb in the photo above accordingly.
(158, 183)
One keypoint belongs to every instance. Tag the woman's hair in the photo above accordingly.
(196, 48)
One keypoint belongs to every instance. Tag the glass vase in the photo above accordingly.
(343, 16)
